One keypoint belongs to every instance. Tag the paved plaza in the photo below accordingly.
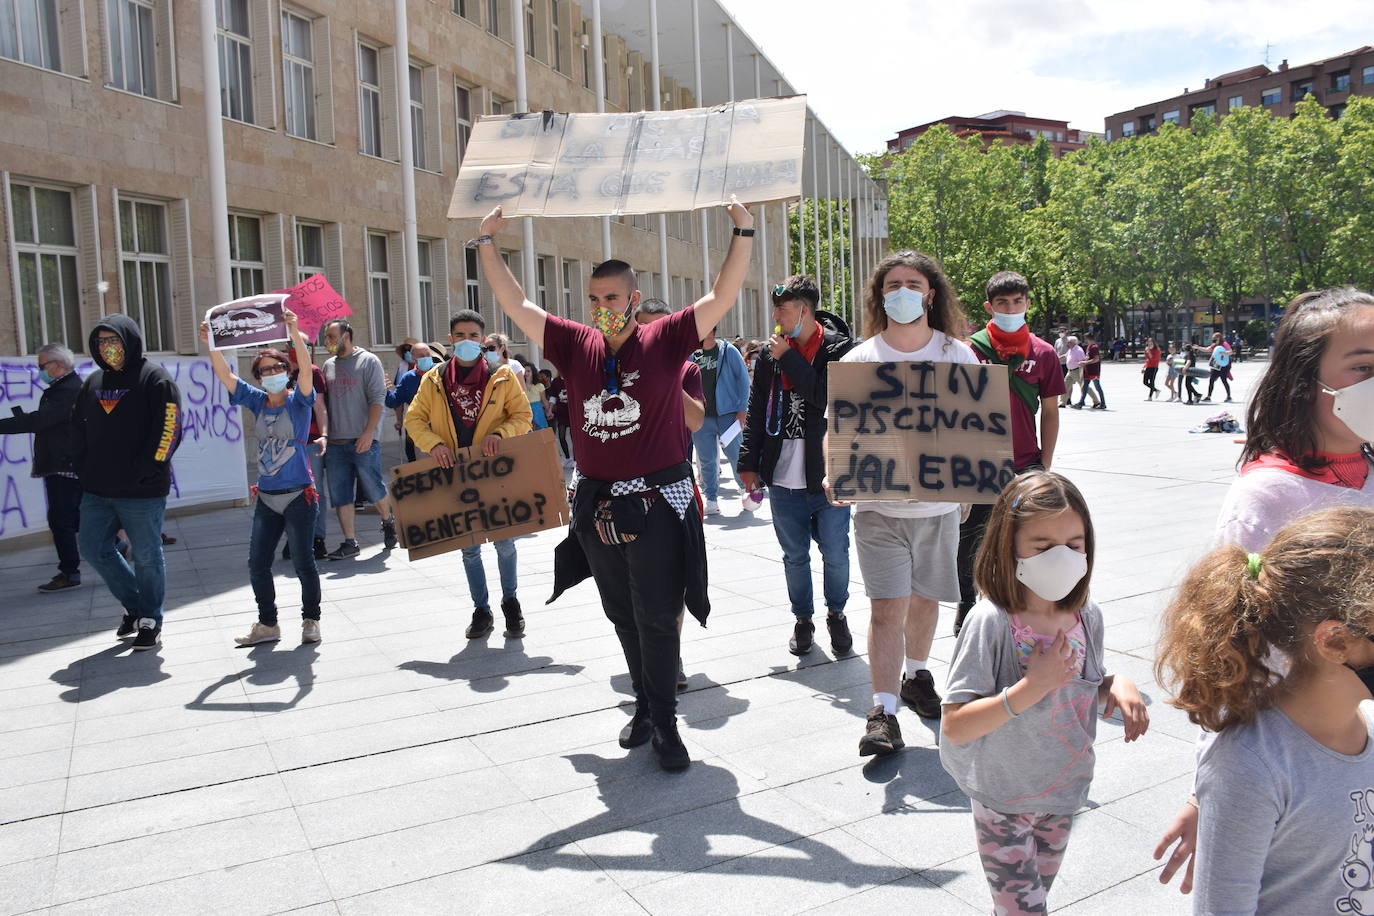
(397, 767)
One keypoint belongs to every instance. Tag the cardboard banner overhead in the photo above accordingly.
(520, 490)
(315, 303)
(934, 432)
(551, 164)
(248, 322)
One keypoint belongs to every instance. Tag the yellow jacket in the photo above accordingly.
(505, 410)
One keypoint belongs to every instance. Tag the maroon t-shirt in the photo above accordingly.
(1093, 369)
(1042, 371)
(691, 383)
(641, 429)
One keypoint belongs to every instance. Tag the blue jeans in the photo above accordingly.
(1098, 397)
(348, 469)
(299, 524)
(477, 572)
(142, 588)
(707, 443)
(322, 486)
(799, 518)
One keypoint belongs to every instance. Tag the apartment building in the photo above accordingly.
(1013, 128)
(107, 196)
(1331, 81)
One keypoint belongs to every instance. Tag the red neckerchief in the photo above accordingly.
(1007, 343)
(808, 351)
(465, 396)
(1349, 471)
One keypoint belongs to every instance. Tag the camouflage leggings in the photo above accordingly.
(1021, 854)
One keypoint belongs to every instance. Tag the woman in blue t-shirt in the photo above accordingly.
(286, 496)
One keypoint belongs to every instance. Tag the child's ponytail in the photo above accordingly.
(1235, 609)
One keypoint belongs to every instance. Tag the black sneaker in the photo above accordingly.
(481, 623)
(681, 676)
(346, 549)
(149, 634)
(59, 582)
(919, 692)
(389, 534)
(802, 636)
(127, 626)
(638, 730)
(672, 753)
(882, 734)
(321, 551)
(515, 621)
(841, 641)
(960, 614)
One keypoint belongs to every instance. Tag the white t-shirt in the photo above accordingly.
(790, 471)
(1261, 501)
(941, 349)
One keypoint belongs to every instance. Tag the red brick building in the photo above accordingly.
(1332, 82)
(1009, 127)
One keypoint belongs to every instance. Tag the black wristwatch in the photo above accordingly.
(743, 233)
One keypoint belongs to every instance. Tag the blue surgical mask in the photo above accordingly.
(424, 363)
(44, 377)
(1009, 323)
(493, 358)
(275, 384)
(904, 305)
(465, 351)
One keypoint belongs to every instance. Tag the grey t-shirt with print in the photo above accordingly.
(1286, 824)
(1042, 761)
(353, 383)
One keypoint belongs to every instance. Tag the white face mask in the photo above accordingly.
(1354, 406)
(904, 305)
(1009, 322)
(1054, 573)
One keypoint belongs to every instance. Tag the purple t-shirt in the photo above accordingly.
(1042, 371)
(641, 428)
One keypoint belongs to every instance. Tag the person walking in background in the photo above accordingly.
(725, 381)
(56, 452)
(1189, 374)
(355, 391)
(1061, 349)
(1092, 376)
(128, 426)
(558, 397)
(535, 392)
(421, 360)
(1151, 368)
(1174, 380)
(1073, 359)
(1219, 364)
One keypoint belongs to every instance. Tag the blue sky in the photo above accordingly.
(894, 63)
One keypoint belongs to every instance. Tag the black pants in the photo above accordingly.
(1193, 393)
(560, 429)
(970, 536)
(1211, 382)
(64, 521)
(642, 586)
(1150, 379)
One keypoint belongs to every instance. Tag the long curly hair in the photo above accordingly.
(1231, 613)
(944, 314)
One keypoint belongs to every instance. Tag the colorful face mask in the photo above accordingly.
(112, 353)
(609, 321)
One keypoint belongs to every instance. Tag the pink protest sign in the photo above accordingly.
(315, 302)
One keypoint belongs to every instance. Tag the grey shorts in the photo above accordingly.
(900, 557)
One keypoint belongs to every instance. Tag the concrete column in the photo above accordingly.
(409, 239)
(730, 83)
(599, 72)
(765, 301)
(522, 104)
(214, 146)
(815, 203)
(829, 218)
(655, 78)
(703, 228)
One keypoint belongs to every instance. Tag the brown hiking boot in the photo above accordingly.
(882, 734)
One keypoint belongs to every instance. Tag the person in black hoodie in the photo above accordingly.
(128, 425)
(784, 448)
(54, 457)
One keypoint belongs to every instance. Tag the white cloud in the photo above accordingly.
(873, 67)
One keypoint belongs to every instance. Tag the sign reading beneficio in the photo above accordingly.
(518, 491)
(935, 432)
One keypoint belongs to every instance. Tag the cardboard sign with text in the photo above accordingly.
(518, 491)
(581, 164)
(934, 432)
(248, 322)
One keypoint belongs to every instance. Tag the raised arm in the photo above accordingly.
(218, 363)
(305, 379)
(711, 308)
(527, 316)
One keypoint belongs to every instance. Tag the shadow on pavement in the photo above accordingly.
(270, 667)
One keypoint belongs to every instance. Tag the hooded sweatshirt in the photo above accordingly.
(128, 420)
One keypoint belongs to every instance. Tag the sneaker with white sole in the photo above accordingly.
(149, 634)
(260, 633)
(310, 631)
(712, 507)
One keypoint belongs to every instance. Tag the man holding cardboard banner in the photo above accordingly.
(461, 403)
(636, 527)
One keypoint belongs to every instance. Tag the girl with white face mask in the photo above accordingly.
(1309, 425)
(1020, 715)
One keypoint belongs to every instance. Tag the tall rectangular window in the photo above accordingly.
(298, 75)
(462, 108)
(496, 18)
(586, 42)
(369, 101)
(1235, 101)
(132, 34)
(541, 274)
(1367, 75)
(466, 8)
(378, 287)
(235, 45)
(46, 252)
(309, 250)
(145, 263)
(424, 262)
(1128, 129)
(246, 266)
(29, 32)
(529, 29)
(472, 286)
(556, 34)
(417, 117)
(1340, 82)
(567, 288)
